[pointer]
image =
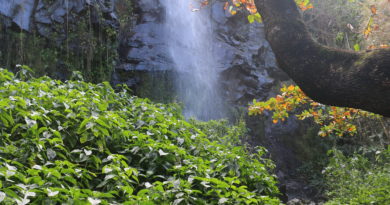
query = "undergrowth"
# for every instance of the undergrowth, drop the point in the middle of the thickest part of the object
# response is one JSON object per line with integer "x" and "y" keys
{"x": 81, "y": 143}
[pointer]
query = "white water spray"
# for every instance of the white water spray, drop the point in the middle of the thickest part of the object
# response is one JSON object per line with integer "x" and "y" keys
{"x": 189, "y": 35}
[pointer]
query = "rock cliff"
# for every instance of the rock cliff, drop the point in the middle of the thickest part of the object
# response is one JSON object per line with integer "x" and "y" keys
{"x": 247, "y": 64}
{"x": 59, "y": 36}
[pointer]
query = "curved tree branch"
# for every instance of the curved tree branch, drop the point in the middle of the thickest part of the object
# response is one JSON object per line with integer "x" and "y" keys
{"x": 327, "y": 75}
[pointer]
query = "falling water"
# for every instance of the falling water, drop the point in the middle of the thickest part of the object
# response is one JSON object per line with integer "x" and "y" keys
{"x": 189, "y": 35}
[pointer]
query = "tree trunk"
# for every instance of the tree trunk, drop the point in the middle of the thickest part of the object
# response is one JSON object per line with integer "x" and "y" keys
{"x": 327, "y": 75}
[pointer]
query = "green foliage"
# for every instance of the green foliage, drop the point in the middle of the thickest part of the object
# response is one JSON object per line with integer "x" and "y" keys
{"x": 81, "y": 143}
{"x": 335, "y": 23}
{"x": 348, "y": 180}
{"x": 124, "y": 9}
{"x": 82, "y": 44}
{"x": 334, "y": 121}
{"x": 359, "y": 179}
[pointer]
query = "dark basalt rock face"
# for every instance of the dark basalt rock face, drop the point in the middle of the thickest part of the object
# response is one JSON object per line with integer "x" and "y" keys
{"x": 101, "y": 13}
{"x": 144, "y": 60}
{"x": 58, "y": 36}
{"x": 18, "y": 11}
{"x": 245, "y": 59}
{"x": 146, "y": 50}
{"x": 27, "y": 14}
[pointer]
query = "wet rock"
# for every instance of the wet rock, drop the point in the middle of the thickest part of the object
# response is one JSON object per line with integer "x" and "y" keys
{"x": 45, "y": 14}
{"x": 60, "y": 36}
{"x": 237, "y": 47}
{"x": 48, "y": 16}
{"x": 143, "y": 53}
{"x": 246, "y": 58}
{"x": 19, "y": 11}
{"x": 146, "y": 49}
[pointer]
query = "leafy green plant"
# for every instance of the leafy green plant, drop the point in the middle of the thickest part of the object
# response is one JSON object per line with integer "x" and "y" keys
{"x": 83, "y": 44}
{"x": 81, "y": 143}
{"x": 358, "y": 179}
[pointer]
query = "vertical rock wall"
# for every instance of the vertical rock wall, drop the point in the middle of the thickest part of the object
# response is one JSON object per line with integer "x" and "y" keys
{"x": 56, "y": 37}
{"x": 247, "y": 64}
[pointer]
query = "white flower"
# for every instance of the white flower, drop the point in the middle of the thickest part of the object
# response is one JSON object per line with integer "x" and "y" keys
{"x": 148, "y": 185}
{"x": 2, "y": 196}
{"x": 22, "y": 202}
{"x": 29, "y": 193}
{"x": 87, "y": 152}
{"x": 162, "y": 153}
{"x": 94, "y": 201}
{"x": 52, "y": 193}
{"x": 222, "y": 200}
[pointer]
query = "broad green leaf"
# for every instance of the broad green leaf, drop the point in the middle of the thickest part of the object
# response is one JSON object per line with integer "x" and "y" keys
{"x": 83, "y": 139}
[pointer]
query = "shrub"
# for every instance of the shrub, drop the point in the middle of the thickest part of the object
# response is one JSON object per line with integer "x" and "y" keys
{"x": 359, "y": 179}
{"x": 81, "y": 143}
{"x": 348, "y": 178}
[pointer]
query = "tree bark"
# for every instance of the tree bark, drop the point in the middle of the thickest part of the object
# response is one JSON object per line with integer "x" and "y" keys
{"x": 327, "y": 75}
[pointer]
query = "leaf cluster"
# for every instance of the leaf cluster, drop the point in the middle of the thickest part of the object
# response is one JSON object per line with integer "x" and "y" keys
{"x": 359, "y": 179}
{"x": 82, "y": 143}
{"x": 333, "y": 121}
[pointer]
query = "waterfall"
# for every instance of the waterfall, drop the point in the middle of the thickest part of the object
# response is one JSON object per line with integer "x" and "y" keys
{"x": 189, "y": 35}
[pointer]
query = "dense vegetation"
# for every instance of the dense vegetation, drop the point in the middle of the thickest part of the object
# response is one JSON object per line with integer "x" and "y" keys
{"x": 81, "y": 143}
{"x": 85, "y": 40}
{"x": 359, "y": 178}
{"x": 357, "y": 168}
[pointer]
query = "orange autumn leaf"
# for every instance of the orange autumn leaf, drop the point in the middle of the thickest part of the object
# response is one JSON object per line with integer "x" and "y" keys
{"x": 279, "y": 98}
{"x": 373, "y": 9}
{"x": 291, "y": 88}
{"x": 347, "y": 113}
{"x": 304, "y": 8}
{"x": 334, "y": 121}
